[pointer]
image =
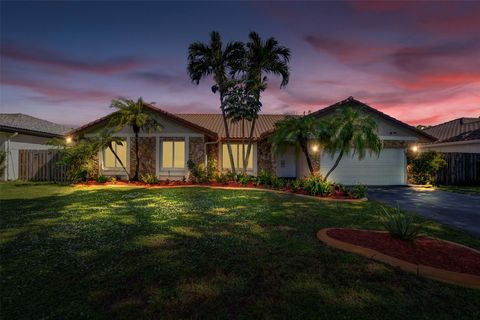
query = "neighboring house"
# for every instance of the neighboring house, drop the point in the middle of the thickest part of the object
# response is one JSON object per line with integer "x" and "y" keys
{"x": 199, "y": 137}
{"x": 20, "y": 131}
{"x": 459, "y": 135}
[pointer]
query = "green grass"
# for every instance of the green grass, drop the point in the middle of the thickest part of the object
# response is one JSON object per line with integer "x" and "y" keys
{"x": 119, "y": 253}
{"x": 461, "y": 189}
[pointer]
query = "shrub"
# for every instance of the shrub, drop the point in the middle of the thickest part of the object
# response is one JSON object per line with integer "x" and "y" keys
{"x": 399, "y": 224}
{"x": 264, "y": 178}
{"x": 149, "y": 178}
{"x": 222, "y": 178}
{"x": 79, "y": 159}
{"x": 114, "y": 179}
{"x": 211, "y": 169}
{"x": 278, "y": 183}
{"x": 102, "y": 179}
{"x": 296, "y": 185}
{"x": 198, "y": 172}
{"x": 423, "y": 166}
{"x": 359, "y": 191}
{"x": 244, "y": 179}
{"x": 315, "y": 185}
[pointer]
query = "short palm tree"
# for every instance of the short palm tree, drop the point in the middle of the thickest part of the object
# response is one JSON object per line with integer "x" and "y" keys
{"x": 215, "y": 59}
{"x": 297, "y": 131}
{"x": 263, "y": 58}
{"x": 351, "y": 130}
{"x": 105, "y": 140}
{"x": 134, "y": 114}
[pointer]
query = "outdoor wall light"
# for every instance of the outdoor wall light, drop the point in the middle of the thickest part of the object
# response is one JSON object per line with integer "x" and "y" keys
{"x": 315, "y": 148}
{"x": 68, "y": 139}
{"x": 414, "y": 148}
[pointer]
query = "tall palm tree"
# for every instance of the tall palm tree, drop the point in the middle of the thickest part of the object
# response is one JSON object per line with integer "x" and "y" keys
{"x": 263, "y": 58}
{"x": 219, "y": 61}
{"x": 297, "y": 131}
{"x": 133, "y": 113}
{"x": 105, "y": 140}
{"x": 351, "y": 129}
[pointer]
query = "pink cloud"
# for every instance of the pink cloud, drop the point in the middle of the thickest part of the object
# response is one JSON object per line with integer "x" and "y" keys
{"x": 61, "y": 62}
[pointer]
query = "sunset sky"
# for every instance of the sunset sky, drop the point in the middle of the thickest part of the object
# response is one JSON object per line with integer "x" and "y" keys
{"x": 418, "y": 62}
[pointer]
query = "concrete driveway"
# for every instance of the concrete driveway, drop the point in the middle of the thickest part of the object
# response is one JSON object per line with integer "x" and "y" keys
{"x": 461, "y": 211}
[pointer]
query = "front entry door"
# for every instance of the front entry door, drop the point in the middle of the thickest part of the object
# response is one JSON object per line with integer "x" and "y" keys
{"x": 286, "y": 164}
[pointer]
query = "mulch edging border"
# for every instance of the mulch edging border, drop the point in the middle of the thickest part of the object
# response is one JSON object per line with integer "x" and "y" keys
{"x": 451, "y": 277}
{"x": 224, "y": 188}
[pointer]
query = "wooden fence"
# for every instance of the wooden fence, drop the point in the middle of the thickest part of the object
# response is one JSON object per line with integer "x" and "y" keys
{"x": 461, "y": 168}
{"x": 40, "y": 165}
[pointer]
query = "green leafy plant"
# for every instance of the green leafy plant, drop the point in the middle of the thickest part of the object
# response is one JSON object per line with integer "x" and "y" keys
{"x": 296, "y": 185}
{"x": 422, "y": 167}
{"x": 198, "y": 172}
{"x": 278, "y": 183}
{"x": 102, "y": 179}
{"x": 113, "y": 179}
{"x": 399, "y": 224}
{"x": 264, "y": 178}
{"x": 221, "y": 178}
{"x": 359, "y": 191}
{"x": 212, "y": 169}
{"x": 316, "y": 185}
{"x": 149, "y": 178}
{"x": 244, "y": 179}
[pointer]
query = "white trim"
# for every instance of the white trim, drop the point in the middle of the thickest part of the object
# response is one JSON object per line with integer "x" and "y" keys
{"x": 253, "y": 171}
{"x": 172, "y": 172}
{"x": 452, "y": 143}
{"x": 149, "y": 135}
{"x": 408, "y": 138}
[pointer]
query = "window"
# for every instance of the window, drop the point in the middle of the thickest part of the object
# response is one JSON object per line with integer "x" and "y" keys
{"x": 173, "y": 154}
{"x": 238, "y": 150}
{"x": 109, "y": 159}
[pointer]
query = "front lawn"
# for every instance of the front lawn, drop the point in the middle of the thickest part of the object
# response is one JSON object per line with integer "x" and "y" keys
{"x": 136, "y": 253}
{"x": 461, "y": 189}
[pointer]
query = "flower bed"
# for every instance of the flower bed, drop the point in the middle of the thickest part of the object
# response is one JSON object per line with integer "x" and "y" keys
{"x": 433, "y": 258}
{"x": 230, "y": 184}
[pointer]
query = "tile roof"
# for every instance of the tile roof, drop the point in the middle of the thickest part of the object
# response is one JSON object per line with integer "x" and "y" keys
{"x": 214, "y": 122}
{"x": 13, "y": 122}
{"x": 454, "y": 128}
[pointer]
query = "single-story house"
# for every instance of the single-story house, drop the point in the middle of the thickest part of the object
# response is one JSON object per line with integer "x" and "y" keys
{"x": 20, "y": 131}
{"x": 459, "y": 135}
{"x": 201, "y": 137}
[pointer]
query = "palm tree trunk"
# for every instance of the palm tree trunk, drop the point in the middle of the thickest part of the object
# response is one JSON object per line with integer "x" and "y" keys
{"x": 250, "y": 142}
{"x": 118, "y": 159}
{"x": 137, "y": 155}
{"x": 227, "y": 135}
{"x": 340, "y": 155}
{"x": 304, "y": 147}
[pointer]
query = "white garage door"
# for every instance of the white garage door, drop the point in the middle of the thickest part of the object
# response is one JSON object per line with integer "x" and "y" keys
{"x": 386, "y": 169}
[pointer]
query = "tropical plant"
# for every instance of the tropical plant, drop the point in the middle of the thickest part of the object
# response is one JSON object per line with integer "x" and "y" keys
{"x": 149, "y": 178}
{"x": 399, "y": 224}
{"x": 297, "y": 184}
{"x": 350, "y": 129}
{"x": 316, "y": 185}
{"x": 359, "y": 191}
{"x": 198, "y": 172}
{"x": 105, "y": 140}
{"x": 424, "y": 166}
{"x": 102, "y": 179}
{"x": 264, "y": 178}
{"x": 220, "y": 62}
{"x": 262, "y": 58}
{"x": 134, "y": 114}
{"x": 79, "y": 158}
{"x": 222, "y": 178}
{"x": 297, "y": 131}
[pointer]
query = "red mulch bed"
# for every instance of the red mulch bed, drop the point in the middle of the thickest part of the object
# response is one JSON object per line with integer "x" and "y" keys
{"x": 426, "y": 251}
{"x": 231, "y": 184}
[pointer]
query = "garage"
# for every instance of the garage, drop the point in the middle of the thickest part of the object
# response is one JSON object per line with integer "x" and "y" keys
{"x": 388, "y": 168}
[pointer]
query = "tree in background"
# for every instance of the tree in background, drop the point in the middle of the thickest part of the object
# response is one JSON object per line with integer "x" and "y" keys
{"x": 221, "y": 62}
{"x": 350, "y": 130}
{"x": 135, "y": 115}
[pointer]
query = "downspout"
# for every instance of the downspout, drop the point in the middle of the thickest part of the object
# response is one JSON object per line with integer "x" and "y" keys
{"x": 8, "y": 155}
{"x": 205, "y": 150}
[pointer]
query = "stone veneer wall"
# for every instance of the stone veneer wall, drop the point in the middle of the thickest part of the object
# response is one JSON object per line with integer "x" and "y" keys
{"x": 147, "y": 152}
{"x": 212, "y": 153}
{"x": 265, "y": 158}
{"x": 196, "y": 151}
